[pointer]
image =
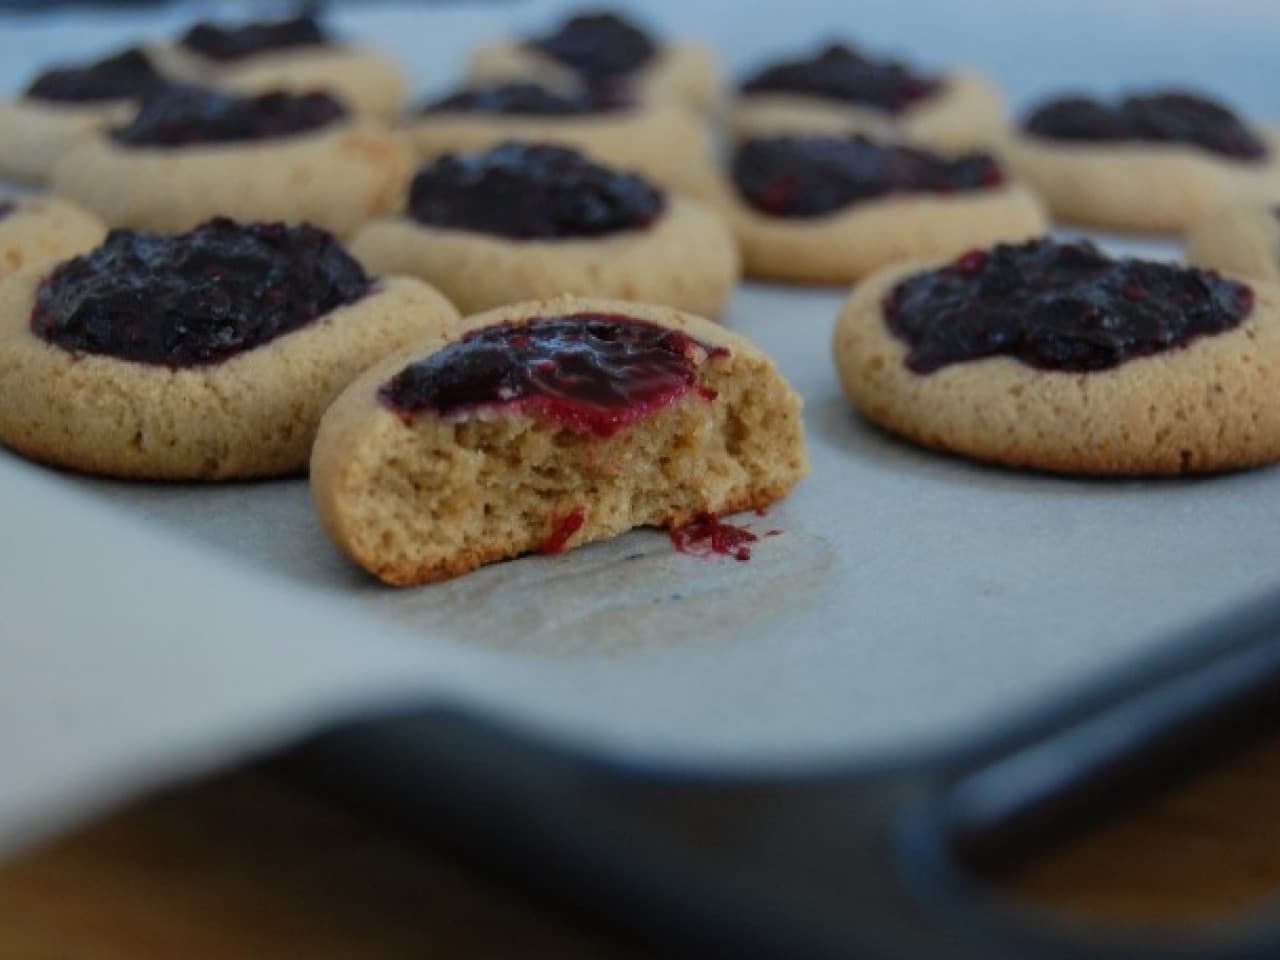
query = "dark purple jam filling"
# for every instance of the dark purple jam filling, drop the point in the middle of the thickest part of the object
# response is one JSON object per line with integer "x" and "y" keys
{"x": 810, "y": 176}
{"x": 129, "y": 75}
{"x": 234, "y": 43}
{"x": 529, "y": 99}
{"x": 1173, "y": 117}
{"x": 598, "y": 46}
{"x": 7, "y": 207}
{"x": 841, "y": 73}
{"x": 531, "y": 192}
{"x": 1058, "y": 306}
{"x": 182, "y": 116}
{"x": 195, "y": 298}
{"x": 593, "y": 373}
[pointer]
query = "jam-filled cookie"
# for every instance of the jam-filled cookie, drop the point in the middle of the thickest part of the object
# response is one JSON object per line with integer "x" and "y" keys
{"x": 1155, "y": 162}
{"x": 840, "y": 91}
{"x": 42, "y": 229}
{"x": 833, "y": 209}
{"x": 524, "y": 222}
{"x": 663, "y": 141}
{"x": 601, "y": 49}
{"x": 1240, "y": 240}
{"x": 65, "y": 104}
{"x": 548, "y": 425}
{"x": 1058, "y": 357}
{"x": 298, "y": 55}
{"x": 206, "y": 355}
{"x": 192, "y": 153}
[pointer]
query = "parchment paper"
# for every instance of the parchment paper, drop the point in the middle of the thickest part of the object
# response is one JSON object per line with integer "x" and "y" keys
{"x": 149, "y": 630}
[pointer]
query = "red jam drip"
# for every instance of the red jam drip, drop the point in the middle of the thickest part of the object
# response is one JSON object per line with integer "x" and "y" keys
{"x": 195, "y": 298}
{"x": 565, "y": 528}
{"x": 810, "y": 176}
{"x": 531, "y": 100}
{"x": 708, "y": 536}
{"x": 1167, "y": 117}
{"x": 592, "y": 373}
{"x": 184, "y": 116}
{"x": 235, "y": 43}
{"x": 842, "y": 73}
{"x": 1058, "y": 306}
{"x": 129, "y": 75}
{"x": 529, "y": 191}
{"x": 598, "y": 45}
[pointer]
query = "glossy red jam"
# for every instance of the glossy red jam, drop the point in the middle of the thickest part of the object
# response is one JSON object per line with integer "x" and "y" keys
{"x": 709, "y": 536}
{"x": 593, "y": 373}
{"x": 598, "y": 45}
{"x": 1058, "y": 306}
{"x": 129, "y": 75}
{"x": 842, "y": 73}
{"x": 185, "y": 116}
{"x": 810, "y": 176}
{"x": 1173, "y": 117}
{"x": 530, "y": 192}
{"x": 195, "y": 298}
{"x": 217, "y": 42}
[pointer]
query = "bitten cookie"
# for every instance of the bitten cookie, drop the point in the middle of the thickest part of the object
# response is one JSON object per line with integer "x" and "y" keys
{"x": 594, "y": 49}
{"x": 1056, "y": 357}
{"x": 191, "y": 154}
{"x": 1239, "y": 240}
{"x": 663, "y": 141}
{"x": 1156, "y": 162}
{"x": 524, "y": 222}
{"x": 66, "y": 104}
{"x": 44, "y": 229}
{"x": 548, "y": 425}
{"x": 839, "y": 92}
{"x": 297, "y": 55}
{"x": 831, "y": 210}
{"x": 208, "y": 355}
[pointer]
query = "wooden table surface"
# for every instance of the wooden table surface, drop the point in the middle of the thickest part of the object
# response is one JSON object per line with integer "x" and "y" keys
{"x": 242, "y": 866}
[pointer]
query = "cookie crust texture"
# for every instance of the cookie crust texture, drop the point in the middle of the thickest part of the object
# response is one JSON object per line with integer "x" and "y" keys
{"x": 847, "y": 244}
{"x": 1241, "y": 240}
{"x": 1139, "y": 187}
{"x": 686, "y": 259}
{"x": 35, "y": 134}
{"x": 441, "y": 495}
{"x": 252, "y": 415}
{"x": 1205, "y": 407}
{"x": 967, "y": 113}
{"x": 335, "y": 178}
{"x": 45, "y": 229}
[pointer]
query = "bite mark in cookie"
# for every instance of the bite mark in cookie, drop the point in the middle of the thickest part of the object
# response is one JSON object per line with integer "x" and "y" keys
{"x": 548, "y": 425}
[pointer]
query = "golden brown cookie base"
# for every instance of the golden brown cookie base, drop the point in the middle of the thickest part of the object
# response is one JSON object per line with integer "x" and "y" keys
{"x": 34, "y": 134}
{"x": 1206, "y": 407}
{"x": 336, "y": 179}
{"x": 45, "y": 230}
{"x": 967, "y": 113}
{"x": 252, "y": 415}
{"x": 844, "y": 246}
{"x": 687, "y": 259}
{"x": 1240, "y": 240}
{"x": 1143, "y": 188}
{"x": 443, "y": 495}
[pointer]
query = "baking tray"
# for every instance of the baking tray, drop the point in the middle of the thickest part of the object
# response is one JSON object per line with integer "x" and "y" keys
{"x": 911, "y": 602}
